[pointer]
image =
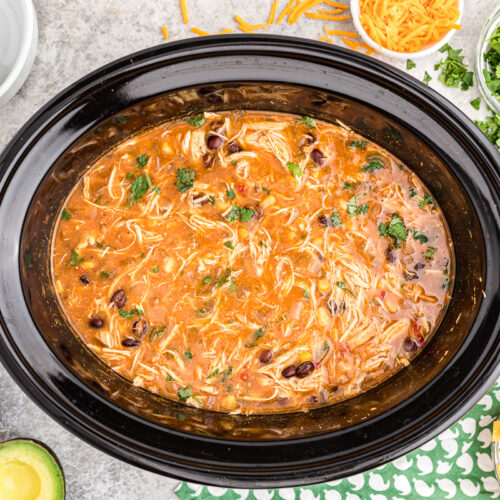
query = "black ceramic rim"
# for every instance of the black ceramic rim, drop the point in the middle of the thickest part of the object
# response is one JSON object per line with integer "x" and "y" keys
{"x": 319, "y": 465}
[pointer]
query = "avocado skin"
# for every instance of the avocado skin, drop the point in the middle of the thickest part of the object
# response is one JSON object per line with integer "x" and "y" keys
{"x": 45, "y": 456}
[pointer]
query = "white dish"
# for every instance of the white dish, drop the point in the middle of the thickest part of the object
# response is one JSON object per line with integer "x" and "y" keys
{"x": 18, "y": 42}
{"x": 401, "y": 55}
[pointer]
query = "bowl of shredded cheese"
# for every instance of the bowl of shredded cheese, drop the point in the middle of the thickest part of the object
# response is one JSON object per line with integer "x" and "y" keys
{"x": 407, "y": 28}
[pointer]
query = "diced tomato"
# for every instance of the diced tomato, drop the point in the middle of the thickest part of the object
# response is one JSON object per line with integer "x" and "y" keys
{"x": 382, "y": 295}
{"x": 420, "y": 340}
{"x": 241, "y": 189}
{"x": 244, "y": 375}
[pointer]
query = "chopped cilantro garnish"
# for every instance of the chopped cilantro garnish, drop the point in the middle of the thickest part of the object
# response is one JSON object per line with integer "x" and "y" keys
{"x": 75, "y": 259}
{"x": 234, "y": 214}
{"x": 336, "y": 220}
{"x": 305, "y": 294}
{"x": 129, "y": 176}
{"x": 185, "y": 394}
{"x": 206, "y": 280}
{"x": 142, "y": 160}
{"x": 224, "y": 278}
{"x": 138, "y": 188}
{"x": 65, "y": 215}
{"x": 395, "y": 229}
{"x": 342, "y": 285}
{"x": 156, "y": 189}
{"x": 453, "y": 70}
{"x": 410, "y": 64}
{"x": 294, "y": 169}
{"x": 426, "y": 201}
{"x": 429, "y": 253}
{"x": 347, "y": 185}
{"x": 155, "y": 269}
{"x": 412, "y": 192}
{"x": 232, "y": 286}
{"x": 130, "y": 314}
{"x": 196, "y": 121}
{"x": 188, "y": 354}
{"x": 185, "y": 179}
{"x": 155, "y": 331}
{"x": 233, "y": 163}
{"x": 372, "y": 165}
{"x": 226, "y": 374}
{"x": 168, "y": 378}
{"x": 104, "y": 274}
{"x": 256, "y": 336}
{"x": 353, "y": 209}
{"x": 214, "y": 373}
{"x": 98, "y": 200}
{"x": 229, "y": 245}
{"x": 357, "y": 144}
{"x": 231, "y": 194}
{"x": 326, "y": 346}
{"x": 476, "y": 103}
{"x": 427, "y": 78}
{"x": 266, "y": 190}
{"x": 246, "y": 214}
{"x": 211, "y": 199}
{"x": 491, "y": 128}
{"x": 310, "y": 122}
{"x": 420, "y": 237}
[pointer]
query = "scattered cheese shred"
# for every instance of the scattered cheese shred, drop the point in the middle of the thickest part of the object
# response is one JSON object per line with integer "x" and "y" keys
{"x": 289, "y": 6}
{"x": 165, "y": 32}
{"x": 224, "y": 31}
{"x": 408, "y": 25}
{"x": 496, "y": 431}
{"x": 350, "y": 43}
{"x": 274, "y": 6}
{"x": 334, "y": 11}
{"x": 301, "y": 8}
{"x": 335, "y": 4}
{"x": 314, "y": 15}
{"x": 185, "y": 17}
{"x": 200, "y": 32}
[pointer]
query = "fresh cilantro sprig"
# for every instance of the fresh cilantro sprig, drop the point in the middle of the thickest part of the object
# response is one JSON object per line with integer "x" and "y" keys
{"x": 185, "y": 179}
{"x": 454, "y": 72}
{"x": 395, "y": 228}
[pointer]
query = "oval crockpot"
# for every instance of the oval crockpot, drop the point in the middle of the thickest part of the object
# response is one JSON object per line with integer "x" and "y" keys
{"x": 428, "y": 133}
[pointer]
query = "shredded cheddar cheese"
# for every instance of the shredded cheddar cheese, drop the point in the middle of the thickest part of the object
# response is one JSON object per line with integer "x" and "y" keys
{"x": 496, "y": 431}
{"x": 165, "y": 32}
{"x": 199, "y": 32}
{"x": 408, "y": 25}
{"x": 314, "y": 15}
{"x": 184, "y": 11}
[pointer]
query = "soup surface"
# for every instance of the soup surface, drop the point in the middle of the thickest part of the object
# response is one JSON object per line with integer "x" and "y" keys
{"x": 252, "y": 262}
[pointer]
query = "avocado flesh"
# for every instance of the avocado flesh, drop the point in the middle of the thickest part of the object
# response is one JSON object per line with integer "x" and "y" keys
{"x": 28, "y": 471}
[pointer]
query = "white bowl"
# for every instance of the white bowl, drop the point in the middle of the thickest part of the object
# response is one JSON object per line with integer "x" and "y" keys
{"x": 401, "y": 55}
{"x": 18, "y": 41}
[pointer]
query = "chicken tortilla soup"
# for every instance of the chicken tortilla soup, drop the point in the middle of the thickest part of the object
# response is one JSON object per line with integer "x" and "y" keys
{"x": 250, "y": 262}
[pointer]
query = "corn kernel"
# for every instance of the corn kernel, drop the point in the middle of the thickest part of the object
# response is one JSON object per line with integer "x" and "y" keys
{"x": 243, "y": 233}
{"x": 496, "y": 431}
{"x": 318, "y": 242}
{"x": 391, "y": 306}
{"x": 229, "y": 402}
{"x": 166, "y": 148}
{"x": 315, "y": 174}
{"x": 305, "y": 356}
{"x": 323, "y": 285}
{"x": 268, "y": 201}
{"x": 87, "y": 265}
{"x": 323, "y": 317}
{"x": 291, "y": 235}
{"x": 168, "y": 265}
{"x": 302, "y": 284}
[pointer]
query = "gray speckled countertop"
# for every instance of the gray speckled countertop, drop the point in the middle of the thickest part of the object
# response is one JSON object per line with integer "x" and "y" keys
{"x": 76, "y": 37}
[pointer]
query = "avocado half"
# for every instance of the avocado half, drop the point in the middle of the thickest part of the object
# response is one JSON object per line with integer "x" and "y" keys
{"x": 29, "y": 471}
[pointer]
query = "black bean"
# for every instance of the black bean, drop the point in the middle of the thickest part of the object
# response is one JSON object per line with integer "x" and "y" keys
{"x": 131, "y": 342}
{"x": 218, "y": 126}
{"x": 266, "y": 356}
{"x": 233, "y": 147}
{"x": 118, "y": 298}
{"x": 410, "y": 275}
{"x": 390, "y": 255}
{"x": 419, "y": 266}
{"x": 96, "y": 322}
{"x": 334, "y": 388}
{"x": 409, "y": 345}
{"x": 214, "y": 98}
{"x": 288, "y": 372}
{"x": 317, "y": 157}
{"x": 309, "y": 139}
{"x": 84, "y": 278}
{"x": 314, "y": 400}
{"x": 214, "y": 142}
{"x": 304, "y": 369}
{"x": 282, "y": 401}
{"x": 140, "y": 327}
{"x": 325, "y": 221}
{"x": 208, "y": 160}
{"x": 342, "y": 306}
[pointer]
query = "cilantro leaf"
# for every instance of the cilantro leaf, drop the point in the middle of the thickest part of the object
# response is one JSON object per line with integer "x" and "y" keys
{"x": 75, "y": 259}
{"x": 142, "y": 160}
{"x": 412, "y": 192}
{"x": 395, "y": 228}
{"x": 65, "y": 215}
{"x": 226, "y": 374}
{"x": 336, "y": 220}
{"x": 453, "y": 70}
{"x": 155, "y": 332}
{"x": 185, "y": 393}
{"x": 229, "y": 245}
{"x": 294, "y": 169}
{"x": 256, "y": 336}
{"x": 234, "y": 214}
{"x": 372, "y": 165}
{"x": 224, "y": 278}
{"x": 196, "y": 121}
{"x": 310, "y": 122}
{"x": 357, "y": 144}
{"x": 185, "y": 179}
{"x": 420, "y": 236}
{"x": 410, "y": 64}
{"x": 342, "y": 285}
{"x": 353, "y": 209}
{"x": 214, "y": 373}
{"x": 426, "y": 201}
{"x": 156, "y": 189}
{"x": 429, "y": 253}
{"x": 231, "y": 194}
{"x": 138, "y": 188}
{"x": 476, "y": 103}
{"x": 246, "y": 214}
{"x": 188, "y": 354}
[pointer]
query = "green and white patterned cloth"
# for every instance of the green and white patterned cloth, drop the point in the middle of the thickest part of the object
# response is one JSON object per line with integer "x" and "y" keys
{"x": 455, "y": 465}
